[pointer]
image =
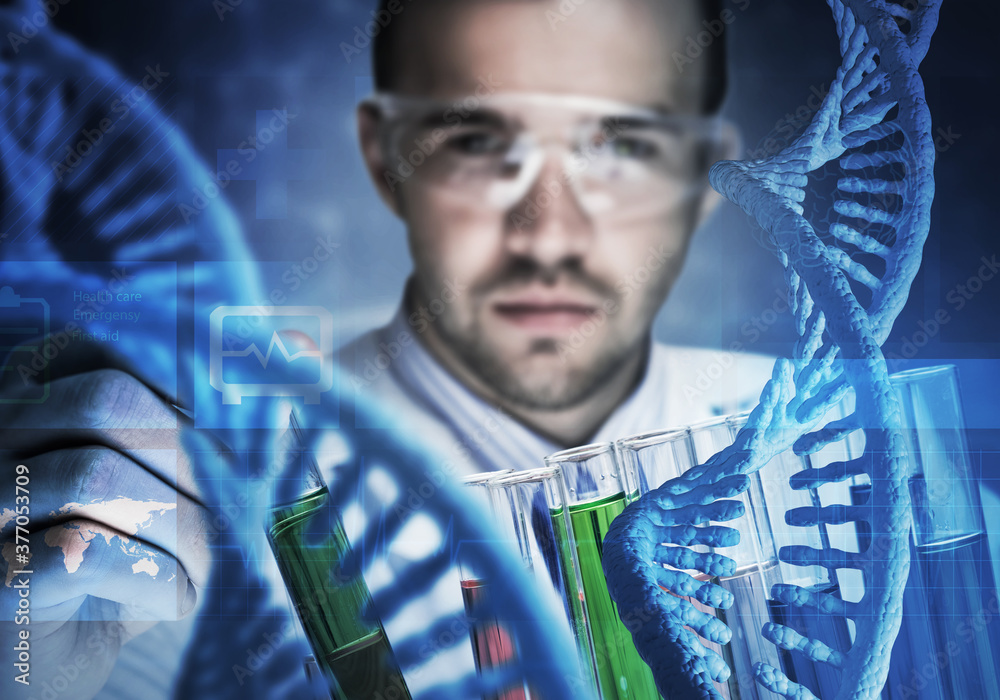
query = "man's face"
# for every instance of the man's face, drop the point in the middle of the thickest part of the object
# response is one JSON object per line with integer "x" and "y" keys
{"x": 540, "y": 299}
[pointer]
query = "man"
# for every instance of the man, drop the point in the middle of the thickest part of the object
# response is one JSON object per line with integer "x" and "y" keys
{"x": 537, "y": 276}
{"x": 547, "y": 224}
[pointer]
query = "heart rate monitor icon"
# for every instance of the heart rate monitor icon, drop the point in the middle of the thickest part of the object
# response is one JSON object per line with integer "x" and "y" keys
{"x": 277, "y": 351}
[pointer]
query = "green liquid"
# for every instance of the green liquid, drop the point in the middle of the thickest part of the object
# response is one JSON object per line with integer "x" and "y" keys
{"x": 353, "y": 652}
{"x": 621, "y": 671}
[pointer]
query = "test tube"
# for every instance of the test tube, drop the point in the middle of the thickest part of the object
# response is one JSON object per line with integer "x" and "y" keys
{"x": 355, "y": 654}
{"x": 756, "y": 567}
{"x": 593, "y": 494}
{"x": 820, "y": 678}
{"x": 492, "y": 643}
{"x": 846, "y": 536}
{"x": 522, "y": 510}
{"x": 949, "y": 642}
{"x": 648, "y": 461}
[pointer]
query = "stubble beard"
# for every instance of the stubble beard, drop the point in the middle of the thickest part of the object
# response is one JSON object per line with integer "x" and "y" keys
{"x": 551, "y": 375}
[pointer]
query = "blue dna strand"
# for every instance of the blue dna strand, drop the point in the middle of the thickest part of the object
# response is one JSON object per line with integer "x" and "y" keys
{"x": 849, "y": 262}
{"x": 119, "y": 205}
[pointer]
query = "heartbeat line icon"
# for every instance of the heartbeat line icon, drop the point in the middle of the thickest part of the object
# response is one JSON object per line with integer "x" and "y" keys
{"x": 265, "y": 358}
{"x": 241, "y": 380}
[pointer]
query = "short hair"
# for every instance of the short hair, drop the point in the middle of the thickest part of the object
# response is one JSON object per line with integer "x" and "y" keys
{"x": 385, "y": 56}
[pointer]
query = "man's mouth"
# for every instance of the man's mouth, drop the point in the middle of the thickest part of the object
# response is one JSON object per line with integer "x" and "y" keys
{"x": 545, "y": 316}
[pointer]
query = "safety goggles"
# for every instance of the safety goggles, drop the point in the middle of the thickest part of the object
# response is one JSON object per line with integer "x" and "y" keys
{"x": 619, "y": 160}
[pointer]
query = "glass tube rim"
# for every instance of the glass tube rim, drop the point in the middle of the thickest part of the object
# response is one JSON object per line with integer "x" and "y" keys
{"x": 910, "y": 375}
{"x": 526, "y": 476}
{"x": 642, "y": 440}
{"x": 710, "y": 422}
{"x": 739, "y": 419}
{"x": 581, "y": 453}
{"x": 480, "y": 478}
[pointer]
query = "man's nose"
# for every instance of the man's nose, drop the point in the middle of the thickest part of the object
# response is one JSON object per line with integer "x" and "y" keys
{"x": 549, "y": 225}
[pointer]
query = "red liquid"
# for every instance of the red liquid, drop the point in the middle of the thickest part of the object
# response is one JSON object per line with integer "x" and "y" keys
{"x": 491, "y": 643}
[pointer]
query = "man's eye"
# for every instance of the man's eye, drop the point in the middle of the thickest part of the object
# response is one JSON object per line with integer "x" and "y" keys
{"x": 478, "y": 144}
{"x": 633, "y": 148}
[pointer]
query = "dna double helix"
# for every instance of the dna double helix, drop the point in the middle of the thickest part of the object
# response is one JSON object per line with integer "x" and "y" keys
{"x": 848, "y": 275}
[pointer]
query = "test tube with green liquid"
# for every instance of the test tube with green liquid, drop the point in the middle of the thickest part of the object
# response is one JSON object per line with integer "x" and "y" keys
{"x": 354, "y": 653}
{"x": 593, "y": 495}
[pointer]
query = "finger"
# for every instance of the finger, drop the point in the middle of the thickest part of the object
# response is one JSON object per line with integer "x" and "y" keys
{"x": 695, "y": 476}
{"x": 778, "y": 683}
{"x": 816, "y": 407}
{"x": 825, "y": 603}
{"x": 830, "y": 557}
{"x": 105, "y": 486}
{"x": 82, "y": 558}
{"x": 109, "y": 408}
{"x": 68, "y": 358}
{"x": 719, "y": 512}
{"x": 103, "y": 399}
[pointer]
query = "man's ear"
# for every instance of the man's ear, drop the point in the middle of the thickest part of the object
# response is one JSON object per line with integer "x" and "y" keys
{"x": 373, "y": 152}
{"x": 730, "y": 147}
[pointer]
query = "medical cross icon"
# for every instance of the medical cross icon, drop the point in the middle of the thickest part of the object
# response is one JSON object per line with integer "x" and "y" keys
{"x": 269, "y": 162}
